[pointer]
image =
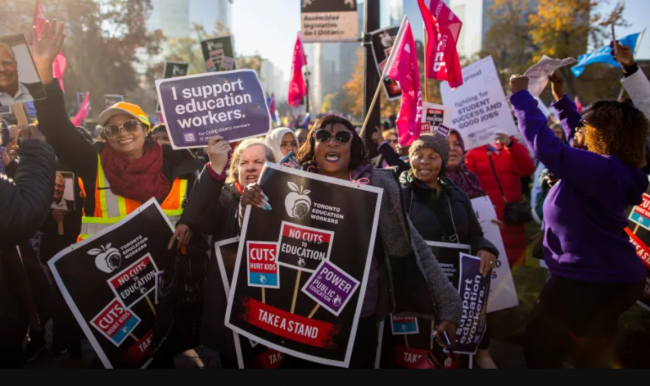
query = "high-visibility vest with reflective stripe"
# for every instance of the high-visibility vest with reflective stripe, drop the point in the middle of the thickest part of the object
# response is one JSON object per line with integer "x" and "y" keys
{"x": 110, "y": 208}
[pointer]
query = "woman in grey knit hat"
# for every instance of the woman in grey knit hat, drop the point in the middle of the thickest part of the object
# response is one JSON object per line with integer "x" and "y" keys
{"x": 441, "y": 211}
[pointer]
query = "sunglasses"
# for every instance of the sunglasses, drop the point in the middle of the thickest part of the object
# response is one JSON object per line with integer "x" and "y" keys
{"x": 325, "y": 136}
{"x": 113, "y": 131}
{"x": 392, "y": 141}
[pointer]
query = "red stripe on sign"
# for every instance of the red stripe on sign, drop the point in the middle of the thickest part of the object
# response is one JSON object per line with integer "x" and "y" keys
{"x": 407, "y": 357}
{"x": 295, "y": 327}
{"x": 642, "y": 250}
{"x": 139, "y": 350}
{"x": 270, "y": 359}
{"x": 305, "y": 234}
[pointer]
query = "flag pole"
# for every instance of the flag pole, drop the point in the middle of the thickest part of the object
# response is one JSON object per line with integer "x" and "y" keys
{"x": 372, "y": 104}
{"x": 389, "y": 64}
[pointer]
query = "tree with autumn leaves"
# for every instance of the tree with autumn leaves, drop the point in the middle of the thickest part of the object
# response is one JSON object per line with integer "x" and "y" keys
{"x": 520, "y": 34}
{"x": 352, "y": 100}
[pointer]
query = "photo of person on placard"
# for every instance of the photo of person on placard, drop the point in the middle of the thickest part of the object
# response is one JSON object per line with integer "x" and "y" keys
{"x": 19, "y": 80}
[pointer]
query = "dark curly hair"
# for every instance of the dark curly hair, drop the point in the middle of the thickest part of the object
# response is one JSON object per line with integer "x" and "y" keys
{"x": 618, "y": 129}
{"x": 358, "y": 154}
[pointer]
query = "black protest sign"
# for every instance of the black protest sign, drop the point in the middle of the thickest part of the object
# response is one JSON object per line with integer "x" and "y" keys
{"x": 312, "y": 315}
{"x": 407, "y": 337}
{"x": 173, "y": 70}
{"x": 250, "y": 354}
{"x": 382, "y": 45}
{"x": 108, "y": 282}
{"x": 473, "y": 289}
{"x": 639, "y": 233}
{"x": 219, "y": 54}
{"x": 111, "y": 99}
{"x": 448, "y": 256}
{"x": 329, "y": 21}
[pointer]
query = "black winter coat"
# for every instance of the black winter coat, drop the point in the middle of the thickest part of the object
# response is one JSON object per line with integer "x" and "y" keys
{"x": 24, "y": 204}
{"x": 213, "y": 211}
{"x": 438, "y": 217}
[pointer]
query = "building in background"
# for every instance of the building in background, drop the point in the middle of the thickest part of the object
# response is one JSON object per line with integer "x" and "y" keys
{"x": 475, "y": 15}
{"x": 177, "y": 17}
{"x": 272, "y": 80}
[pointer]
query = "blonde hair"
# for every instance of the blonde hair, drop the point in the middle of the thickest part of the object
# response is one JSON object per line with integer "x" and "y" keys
{"x": 233, "y": 175}
{"x": 388, "y": 133}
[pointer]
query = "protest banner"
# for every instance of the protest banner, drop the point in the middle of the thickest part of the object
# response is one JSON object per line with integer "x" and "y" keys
{"x": 538, "y": 74}
{"x": 473, "y": 289}
{"x": 639, "y": 234}
{"x": 502, "y": 287}
{"x": 250, "y": 354}
{"x": 64, "y": 188}
{"x": 231, "y": 104}
{"x": 481, "y": 110}
{"x": 107, "y": 281}
{"x": 21, "y": 83}
{"x": 407, "y": 338}
{"x": 219, "y": 54}
{"x": 329, "y": 21}
{"x": 324, "y": 229}
{"x": 434, "y": 115}
{"x": 173, "y": 70}
{"x": 111, "y": 99}
{"x": 382, "y": 45}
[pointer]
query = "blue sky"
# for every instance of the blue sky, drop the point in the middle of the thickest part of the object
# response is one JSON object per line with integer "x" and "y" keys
{"x": 269, "y": 27}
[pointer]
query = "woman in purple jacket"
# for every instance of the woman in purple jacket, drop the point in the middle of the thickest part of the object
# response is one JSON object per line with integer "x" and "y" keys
{"x": 595, "y": 272}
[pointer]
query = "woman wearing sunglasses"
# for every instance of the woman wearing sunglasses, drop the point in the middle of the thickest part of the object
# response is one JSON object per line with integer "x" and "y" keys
{"x": 126, "y": 167}
{"x": 595, "y": 272}
{"x": 334, "y": 149}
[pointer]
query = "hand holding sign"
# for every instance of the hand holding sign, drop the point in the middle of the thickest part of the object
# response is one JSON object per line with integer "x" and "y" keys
{"x": 218, "y": 150}
{"x": 253, "y": 195}
{"x": 45, "y": 49}
{"x": 557, "y": 85}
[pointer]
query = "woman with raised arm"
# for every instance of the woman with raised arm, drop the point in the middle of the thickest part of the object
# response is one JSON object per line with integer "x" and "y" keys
{"x": 595, "y": 272}
{"x": 126, "y": 167}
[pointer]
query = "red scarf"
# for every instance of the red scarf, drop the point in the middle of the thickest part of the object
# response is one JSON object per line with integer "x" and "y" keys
{"x": 138, "y": 179}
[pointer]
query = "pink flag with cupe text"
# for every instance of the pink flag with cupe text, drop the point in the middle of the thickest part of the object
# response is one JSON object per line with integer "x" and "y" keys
{"x": 60, "y": 61}
{"x": 83, "y": 112}
{"x": 402, "y": 67}
{"x": 297, "y": 85}
{"x": 443, "y": 29}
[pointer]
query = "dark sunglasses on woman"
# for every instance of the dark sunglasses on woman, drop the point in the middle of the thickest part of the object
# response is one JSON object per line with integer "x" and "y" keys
{"x": 325, "y": 136}
{"x": 113, "y": 131}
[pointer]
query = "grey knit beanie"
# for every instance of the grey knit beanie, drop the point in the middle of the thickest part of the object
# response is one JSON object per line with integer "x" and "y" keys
{"x": 437, "y": 143}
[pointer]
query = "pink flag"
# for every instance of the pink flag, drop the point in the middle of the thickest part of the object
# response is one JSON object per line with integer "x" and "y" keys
{"x": 578, "y": 104}
{"x": 443, "y": 28}
{"x": 402, "y": 67}
{"x": 82, "y": 114}
{"x": 60, "y": 62}
{"x": 297, "y": 85}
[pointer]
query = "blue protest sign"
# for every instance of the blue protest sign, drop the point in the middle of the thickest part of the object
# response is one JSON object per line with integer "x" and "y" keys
{"x": 231, "y": 104}
{"x": 604, "y": 55}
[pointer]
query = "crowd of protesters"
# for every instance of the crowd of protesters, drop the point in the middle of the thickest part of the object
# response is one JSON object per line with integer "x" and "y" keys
{"x": 589, "y": 171}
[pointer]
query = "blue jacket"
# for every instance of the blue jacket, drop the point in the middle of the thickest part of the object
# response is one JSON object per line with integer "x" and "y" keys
{"x": 584, "y": 213}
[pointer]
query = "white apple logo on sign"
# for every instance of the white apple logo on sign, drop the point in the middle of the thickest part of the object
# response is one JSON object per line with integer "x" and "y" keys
{"x": 297, "y": 202}
{"x": 108, "y": 259}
